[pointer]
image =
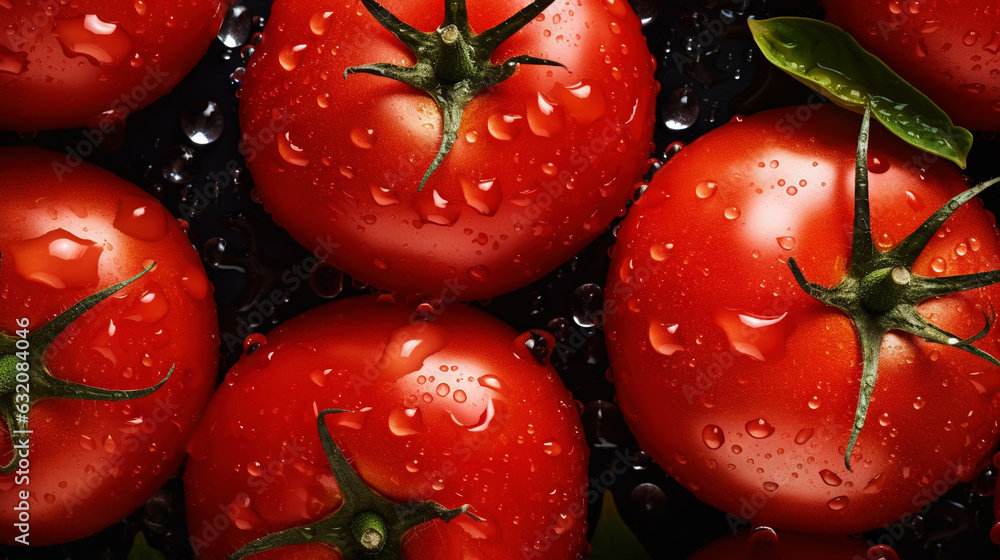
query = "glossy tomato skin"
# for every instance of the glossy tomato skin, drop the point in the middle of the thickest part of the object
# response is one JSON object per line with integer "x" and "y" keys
{"x": 447, "y": 411}
{"x": 544, "y": 160}
{"x": 948, "y": 49}
{"x": 92, "y": 463}
{"x": 742, "y": 386}
{"x": 107, "y": 57}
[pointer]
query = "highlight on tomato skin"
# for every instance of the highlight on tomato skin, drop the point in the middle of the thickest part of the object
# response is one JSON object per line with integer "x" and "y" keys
{"x": 757, "y": 380}
{"x": 93, "y": 62}
{"x": 120, "y": 388}
{"x": 542, "y": 163}
{"x": 949, "y": 49}
{"x": 441, "y": 403}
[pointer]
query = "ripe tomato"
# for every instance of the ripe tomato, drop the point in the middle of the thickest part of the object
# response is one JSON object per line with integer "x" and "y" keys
{"x": 765, "y": 544}
{"x": 744, "y": 387}
{"x": 542, "y": 163}
{"x": 948, "y": 49}
{"x": 451, "y": 408}
{"x": 110, "y": 57}
{"x": 96, "y": 452}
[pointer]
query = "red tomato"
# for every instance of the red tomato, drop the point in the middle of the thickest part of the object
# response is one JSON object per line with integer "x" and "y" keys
{"x": 65, "y": 64}
{"x": 454, "y": 410}
{"x": 543, "y": 161}
{"x": 91, "y": 462}
{"x": 765, "y": 544}
{"x": 744, "y": 387}
{"x": 948, "y": 49}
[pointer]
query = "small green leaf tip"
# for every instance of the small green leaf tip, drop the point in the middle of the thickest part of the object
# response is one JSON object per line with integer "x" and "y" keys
{"x": 827, "y": 59}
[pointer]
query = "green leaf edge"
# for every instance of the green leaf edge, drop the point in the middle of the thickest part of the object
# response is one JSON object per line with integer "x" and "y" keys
{"x": 613, "y": 540}
{"x": 958, "y": 139}
{"x": 141, "y": 550}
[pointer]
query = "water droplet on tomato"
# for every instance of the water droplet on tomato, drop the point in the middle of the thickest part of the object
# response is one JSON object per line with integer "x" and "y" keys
{"x": 759, "y": 428}
{"x": 583, "y": 101}
{"x": 290, "y": 56}
{"x": 732, "y": 213}
{"x": 786, "y": 243}
{"x": 406, "y": 421}
{"x": 804, "y": 435}
{"x": 141, "y": 217}
{"x": 552, "y": 448}
{"x": 383, "y": 196}
{"x": 914, "y": 201}
{"x": 976, "y": 88}
{"x": 736, "y": 449}
{"x": 617, "y": 8}
{"x": 253, "y": 342}
{"x": 705, "y": 189}
{"x": 435, "y": 209}
{"x": 483, "y": 195}
{"x": 660, "y": 252}
{"x": 87, "y": 443}
{"x": 58, "y": 259}
{"x": 318, "y": 22}
{"x": 479, "y": 273}
{"x": 535, "y": 345}
{"x": 762, "y": 338}
{"x": 770, "y": 486}
{"x": 838, "y": 503}
{"x": 505, "y": 126}
{"x": 108, "y": 443}
{"x": 713, "y": 436}
{"x": 664, "y": 338}
{"x": 151, "y": 307}
{"x": 459, "y": 396}
{"x": 546, "y": 118}
{"x": 830, "y": 478}
{"x": 409, "y": 346}
{"x": 970, "y": 38}
{"x": 353, "y": 420}
{"x": 874, "y": 485}
{"x": 202, "y": 121}
{"x": 483, "y": 528}
{"x": 919, "y": 403}
{"x": 99, "y": 41}
{"x": 363, "y": 137}
{"x": 290, "y": 152}
{"x": 12, "y": 62}
{"x": 878, "y": 165}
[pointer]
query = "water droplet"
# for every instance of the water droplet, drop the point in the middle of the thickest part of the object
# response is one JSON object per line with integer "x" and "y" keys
{"x": 459, "y": 396}
{"x": 804, "y": 435}
{"x": 583, "y": 101}
{"x": 552, "y": 448}
{"x": 830, "y": 478}
{"x": 762, "y": 338}
{"x": 786, "y": 243}
{"x": 736, "y": 449}
{"x": 970, "y": 38}
{"x": 878, "y": 165}
{"x": 919, "y": 403}
{"x": 383, "y": 196}
{"x": 545, "y": 117}
{"x": 875, "y": 485}
{"x": 202, "y": 121}
{"x": 732, "y": 213}
{"x": 363, "y": 137}
{"x": 838, "y": 503}
{"x": 326, "y": 280}
{"x": 759, "y": 428}
{"x": 661, "y": 251}
{"x": 435, "y": 209}
{"x": 318, "y": 22}
{"x": 770, "y": 486}
{"x": 705, "y": 189}
{"x": 141, "y": 217}
{"x": 290, "y": 56}
{"x": 713, "y": 436}
{"x": 290, "y": 152}
{"x": 409, "y": 346}
{"x": 617, "y": 8}
{"x": 976, "y": 88}
{"x": 236, "y": 27}
{"x": 180, "y": 164}
{"x": 12, "y": 62}
{"x": 108, "y": 443}
{"x": 914, "y": 201}
{"x": 87, "y": 443}
{"x": 151, "y": 307}
{"x": 505, "y": 126}
{"x": 587, "y": 301}
{"x": 58, "y": 259}
{"x": 681, "y": 109}
{"x": 884, "y": 419}
{"x": 939, "y": 265}
{"x": 483, "y": 195}
{"x": 814, "y": 402}
{"x": 534, "y": 345}
{"x": 479, "y": 273}
{"x": 99, "y": 41}
{"x": 405, "y": 421}
{"x": 50, "y": 498}
{"x": 253, "y": 342}
{"x": 664, "y": 338}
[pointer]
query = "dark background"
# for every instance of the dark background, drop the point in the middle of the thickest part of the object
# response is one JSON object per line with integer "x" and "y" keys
{"x": 709, "y": 71}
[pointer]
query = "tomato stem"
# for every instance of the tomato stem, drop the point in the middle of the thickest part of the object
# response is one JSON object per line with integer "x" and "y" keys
{"x": 366, "y": 525}
{"x": 880, "y": 292}
{"x": 38, "y": 382}
{"x": 453, "y": 63}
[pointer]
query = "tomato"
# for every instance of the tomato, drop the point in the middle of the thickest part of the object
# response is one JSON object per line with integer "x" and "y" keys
{"x": 542, "y": 162}
{"x": 765, "y": 544}
{"x": 92, "y": 62}
{"x": 743, "y": 386}
{"x": 74, "y": 343}
{"x": 444, "y": 403}
{"x": 948, "y": 49}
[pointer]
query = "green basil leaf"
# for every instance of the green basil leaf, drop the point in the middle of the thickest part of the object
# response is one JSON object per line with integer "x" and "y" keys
{"x": 142, "y": 551}
{"x": 826, "y": 58}
{"x": 613, "y": 539}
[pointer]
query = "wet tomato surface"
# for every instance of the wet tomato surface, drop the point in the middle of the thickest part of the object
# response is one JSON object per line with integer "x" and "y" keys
{"x": 96, "y": 452}
{"x": 452, "y": 408}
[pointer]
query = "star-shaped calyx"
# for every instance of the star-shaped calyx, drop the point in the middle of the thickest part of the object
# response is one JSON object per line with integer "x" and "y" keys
{"x": 453, "y": 62}
{"x": 366, "y": 525}
{"x": 25, "y": 378}
{"x": 880, "y": 292}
